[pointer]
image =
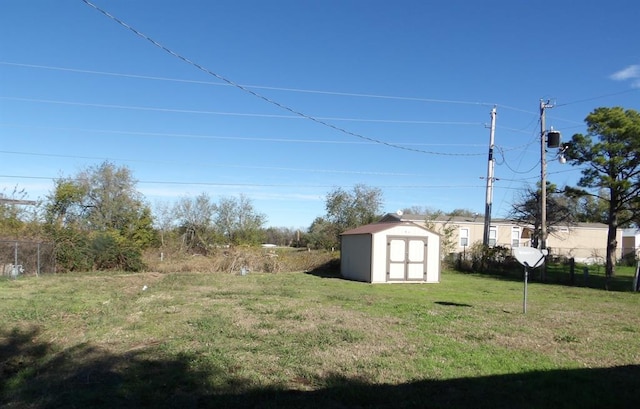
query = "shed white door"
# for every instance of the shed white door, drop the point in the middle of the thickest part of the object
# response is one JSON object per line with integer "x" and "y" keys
{"x": 406, "y": 258}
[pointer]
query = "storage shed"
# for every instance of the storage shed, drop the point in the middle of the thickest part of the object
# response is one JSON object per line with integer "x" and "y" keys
{"x": 390, "y": 253}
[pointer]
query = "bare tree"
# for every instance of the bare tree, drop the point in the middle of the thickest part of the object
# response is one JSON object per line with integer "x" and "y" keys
{"x": 195, "y": 219}
{"x": 349, "y": 209}
{"x": 526, "y": 210}
{"x": 238, "y": 221}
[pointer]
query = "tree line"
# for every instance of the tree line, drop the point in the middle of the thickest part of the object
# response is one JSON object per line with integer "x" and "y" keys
{"x": 98, "y": 220}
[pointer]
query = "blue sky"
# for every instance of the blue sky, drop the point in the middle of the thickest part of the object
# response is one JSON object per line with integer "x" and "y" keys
{"x": 318, "y": 95}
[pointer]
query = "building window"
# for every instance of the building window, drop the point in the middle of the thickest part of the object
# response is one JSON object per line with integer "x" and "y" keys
{"x": 515, "y": 237}
{"x": 464, "y": 237}
{"x": 493, "y": 236}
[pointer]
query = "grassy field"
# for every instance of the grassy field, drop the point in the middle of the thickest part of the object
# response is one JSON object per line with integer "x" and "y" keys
{"x": 302, "y": 340}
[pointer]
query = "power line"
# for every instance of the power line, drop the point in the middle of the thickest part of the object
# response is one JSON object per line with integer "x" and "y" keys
{"x": 226, "y": 166}
{"x": 598, "y": 97}
{"x": 220, "y": 137}
{"x": 537, "y": 177}
{"x": 193, "y": 111}
{"x": 504, "y": 162}
{"x": 521, "y": 156}
{"x": 235, "y": 184}
{"x": 312, "y": 91}
{"x": 255, "y": 94}
{"x": 273, "y": 88}
{"x": 335, "y": 93}
{"x": 320, "y": 92}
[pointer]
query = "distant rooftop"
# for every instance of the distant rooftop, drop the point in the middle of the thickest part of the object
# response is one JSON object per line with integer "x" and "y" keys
{"x": 421, "y": 218}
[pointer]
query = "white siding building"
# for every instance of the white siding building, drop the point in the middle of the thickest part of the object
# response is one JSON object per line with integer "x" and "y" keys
{"x": 585, "y": 242}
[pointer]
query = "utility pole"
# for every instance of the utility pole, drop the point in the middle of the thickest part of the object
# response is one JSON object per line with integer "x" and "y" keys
{"x": 543, "y": 176}
{"x": 490, "y": 179}
{"x": 548, "y": 139}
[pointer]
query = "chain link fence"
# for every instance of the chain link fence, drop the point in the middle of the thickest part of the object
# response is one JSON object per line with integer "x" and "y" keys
{"x": 26, "y": 257}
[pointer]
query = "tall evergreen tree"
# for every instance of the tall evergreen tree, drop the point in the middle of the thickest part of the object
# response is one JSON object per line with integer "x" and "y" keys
{"x": 610, "y": 154}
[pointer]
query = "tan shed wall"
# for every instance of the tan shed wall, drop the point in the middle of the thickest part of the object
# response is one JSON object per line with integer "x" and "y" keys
{"x": 356, "y": 257}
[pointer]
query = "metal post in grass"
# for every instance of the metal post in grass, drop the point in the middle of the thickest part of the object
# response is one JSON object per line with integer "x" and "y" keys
{"x": 38, "y": 260}
{"x": 14, "y": 271}
{"x": 529, "y": 257}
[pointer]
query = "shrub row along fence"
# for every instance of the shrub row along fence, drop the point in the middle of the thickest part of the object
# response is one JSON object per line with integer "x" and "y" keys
{"x": 583, "y": 255}
{"x": 26, "y": 257}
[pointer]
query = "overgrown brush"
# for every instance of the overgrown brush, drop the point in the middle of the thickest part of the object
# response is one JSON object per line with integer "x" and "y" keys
{"x": 239, "y": 260}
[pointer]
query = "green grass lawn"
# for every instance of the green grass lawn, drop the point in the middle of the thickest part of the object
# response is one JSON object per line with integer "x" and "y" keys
{"x": 301, "y": 340}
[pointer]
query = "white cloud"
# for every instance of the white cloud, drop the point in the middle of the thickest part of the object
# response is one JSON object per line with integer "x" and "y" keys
{"x": 632, "y": 71}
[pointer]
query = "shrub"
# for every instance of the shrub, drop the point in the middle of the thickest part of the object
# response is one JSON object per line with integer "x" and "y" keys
{"x": 112, "y": 252}
{"x": 72, "y": 250}
{"x": 630, "y": 259}
{"x": 483, "y": 259}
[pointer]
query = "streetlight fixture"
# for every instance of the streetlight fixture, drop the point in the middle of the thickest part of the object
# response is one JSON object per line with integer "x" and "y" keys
{"x": 563, "y": 149}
